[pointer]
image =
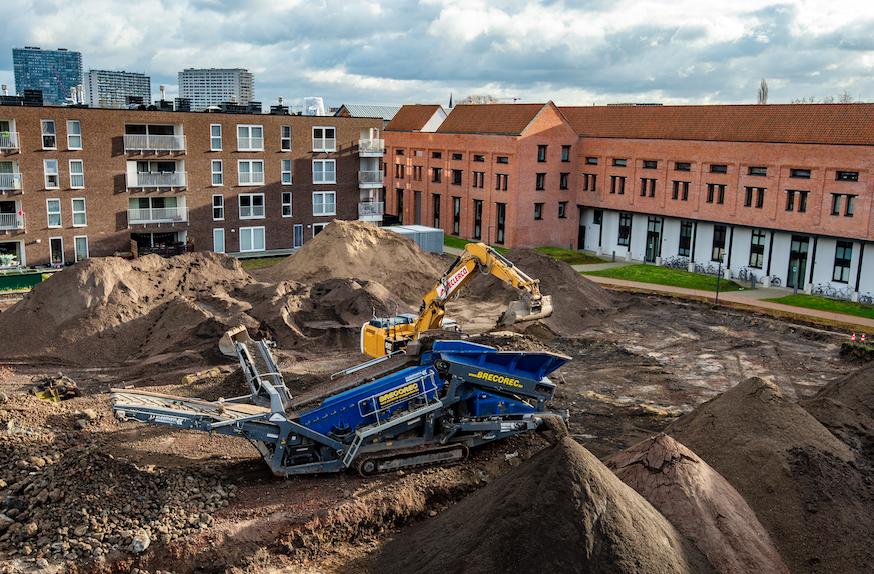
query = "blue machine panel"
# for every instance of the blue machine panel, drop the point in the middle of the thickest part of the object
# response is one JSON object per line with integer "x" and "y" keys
{"x": 532, "y": 366}
{"x": 483, "y": 404}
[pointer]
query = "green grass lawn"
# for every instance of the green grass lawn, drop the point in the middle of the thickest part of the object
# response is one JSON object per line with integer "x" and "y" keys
{"x": 569, "y": 256}
{"x": 259, "y": 262}
{"x": 458, "y": 243}
{"x": 826, "y": 304}
{"x": 666, "y": 276}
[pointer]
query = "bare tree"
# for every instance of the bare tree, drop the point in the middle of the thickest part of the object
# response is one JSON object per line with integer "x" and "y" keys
{"x": 828, "y": 100}
{"x": 763, "y": 92}
{"x": 481, "y": 99}
{"x": 845, "y": 98}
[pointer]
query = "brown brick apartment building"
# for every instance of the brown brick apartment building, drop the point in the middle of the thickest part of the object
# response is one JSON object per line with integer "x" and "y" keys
{"x": 78, "y": 182}
{"x": 785, "y": 190}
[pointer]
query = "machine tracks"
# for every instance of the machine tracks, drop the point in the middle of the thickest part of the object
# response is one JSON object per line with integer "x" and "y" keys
{"x": 409, "y": 458}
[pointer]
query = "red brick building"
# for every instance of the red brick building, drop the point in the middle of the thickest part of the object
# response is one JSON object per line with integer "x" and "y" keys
{"x": 78, "y": 182}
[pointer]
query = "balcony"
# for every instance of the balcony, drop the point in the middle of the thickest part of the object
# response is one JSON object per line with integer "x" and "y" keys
{"x": 135, "y": 142}
{"x": 157, "y": 215}
{"x": 9, "y": 141}
{"x": 10, "y": 182}
{"x": 371, "y": 210}
{"x": 11, "y": 221}
{"x": 153, "y": 179}
{"x": 371, "y": 148}
{"x": 370, "y": 179}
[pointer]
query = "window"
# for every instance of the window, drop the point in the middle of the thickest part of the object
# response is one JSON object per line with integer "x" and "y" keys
{"x": 56, "y": 248}
{"x": 540, "y": 181}
{"x": 803, "y": 173}
{"x": 318, "y": 227}
{"x": 620, "y": 162}
{"x": 250, "y": 172}
{"x": 851, "y": 201}
{"x": 436, "y": 155}
{"x": 285, "y": 138}
{"x": 479, "y": 158}
{"x": 251, "y": 206}
{"x": 749, "y": 196}
{"x": 650, "y": 164}
{"x": 681, "y": 186}
{"x": 399, "y": 193}
{"x": 285, "y": 166}
{"x": 562, "y": 180}
{"x": 218, "y": 207}
{"x": 79, "y": 217}
{"x": 501, "y": 217}
{"x": 77, "y": 174}
{"x": 589, "y": 180}
{"x": 617, "y": 184}
{"x": 624, "y": 230}
{"x": 477, "y": 219}
{"x": 49, "y": 141}
{"x": 217, "y": 177}
{"x": 456, "y": 156}
{"x": 50, "y": 168}
{"x": 538, "y": 211}
{"x": 324, "y": 139}
{"x": 843, "y": 256}
{"x": 757, "y": 249}
{"x": 399, "y": 152}
{"x": 324, "y": 203}
{"x": 715, "y": 190}
{"x": 850, "y": 204}
{"x": 456, "y": 215}
{"x": 714, "y": 168}
{"x": 53, "y": 207}
{"x": 758, "y": 171}
{"x": 436, "y": 174}
{"x": 647, "y": 184}
{"x": 597, "y": 216}
{"x": 252, "y": 239}
{"x": 501, "y": 181}
{"x": 399, "y": 171}
{"x": 847, "y": 176}
{"x": 215, "y": 137}
{"x": 720, "y": 198}
{"x": 682, "y": 166}
{"x": 286, "y": 204}
{"x": 790, "y": 200}
{"x": 250, "y": 138}
{"x": 836, "y": 204}
{"x": 592, "y": 161}
{"x": 456, "y": 177}
{"x": 479, "y": 178}
{"x": 437, "y": 210}
{"x": 417, "y": 172}
{"x": 324, "y": 171}
{"x": 565, "y": 153}
{"x": 718, "y": 243}
{"x": 562, "y": 209}
{"x": 503, "y": 159}
{"x": 760, "y": 197}
{"x": 685, "y": 238}
{"x": 802, "y": 204}
{"x": 80, "y": 247}
{"x": 74, "y": 135}
{"x": 541, "y": 153}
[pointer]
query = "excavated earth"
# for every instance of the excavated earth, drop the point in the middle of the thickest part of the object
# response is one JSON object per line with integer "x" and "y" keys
{"x": 768, "y": 409}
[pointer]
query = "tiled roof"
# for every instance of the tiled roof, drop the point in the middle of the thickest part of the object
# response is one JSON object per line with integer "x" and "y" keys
{"x": 847, "y": 124}
{"x": 412, "y": 117}
{"x": 504, "y": 119}
{"x": 368, "y": 111}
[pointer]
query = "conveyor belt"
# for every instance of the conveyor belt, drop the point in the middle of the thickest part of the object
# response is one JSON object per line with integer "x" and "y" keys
{"x": 132, "y": 399}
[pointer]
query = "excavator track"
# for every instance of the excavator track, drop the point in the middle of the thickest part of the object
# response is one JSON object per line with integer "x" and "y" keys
{"x": 410, "y": 458}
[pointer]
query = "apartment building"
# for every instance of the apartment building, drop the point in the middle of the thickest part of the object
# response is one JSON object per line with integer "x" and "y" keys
{"x": 78, "y": 182}
{"x": 110, "y": 89}
{"x": 785, "y": 190}
{"x": 212, "y": 86}
{"x": 53, "y": 72}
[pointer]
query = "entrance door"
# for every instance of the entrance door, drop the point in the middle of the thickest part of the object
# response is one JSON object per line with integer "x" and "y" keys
{"x": 298, "y": 235}
{"x": 581, "y": 237}
{"x": 56, "y": 244}
{"x": 218, "y": 240}
{"x": 418, "y": 197}
{"x": 653, "y": 239}
{"x": 797, "y": 261}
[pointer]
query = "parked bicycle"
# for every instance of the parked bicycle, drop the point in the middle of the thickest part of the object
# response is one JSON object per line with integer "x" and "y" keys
{"x": 676, "y": 262}
{"x": 866, "y": 299}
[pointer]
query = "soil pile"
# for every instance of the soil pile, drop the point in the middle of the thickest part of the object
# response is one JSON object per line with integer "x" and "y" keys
{"x": 560, "y": 511}
{"x": 854, "y": 390}
{"x": 360, "y": 250}
{"x": 700, "y": 503}
{"x": 807, "y": 488}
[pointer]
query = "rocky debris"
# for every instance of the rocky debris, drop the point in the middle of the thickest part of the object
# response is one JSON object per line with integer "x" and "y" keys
{"x": 559, "y": 511}
{"x": 700, "y": 503}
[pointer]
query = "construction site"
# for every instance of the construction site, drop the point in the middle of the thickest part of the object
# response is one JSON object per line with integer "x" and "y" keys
{"x": 185, "y": 415}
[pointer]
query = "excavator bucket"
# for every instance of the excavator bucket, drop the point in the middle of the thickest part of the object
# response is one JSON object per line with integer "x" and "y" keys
{"x": 226, "y": 343}
{"x": 522, "y": 311}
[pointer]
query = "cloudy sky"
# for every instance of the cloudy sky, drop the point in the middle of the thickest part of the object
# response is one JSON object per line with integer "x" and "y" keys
{"x": 578, "y": 52}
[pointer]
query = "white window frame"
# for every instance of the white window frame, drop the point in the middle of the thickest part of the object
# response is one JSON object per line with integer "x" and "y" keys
{"x": 51, "y": 174}
{"x": 62, "y": 261}
{"x": 46, "y": 133}
{"x": 80, "y": 175}
{"x": 318, "y": 227}
{"x": 215, "y": 139}
{"x": 82, "y": 212}
{"x": 250, "y": 231}
{"x": 74, "y": 132}
{"x": 50, "y": 204}
{"x": 79, "y": 256}
{"x": 218, "y": 206}
{"x": 250, "y": 180}
{"x": 286, "y": 204}
{"x": 297, "y": 232}
{"x": 255, "y": 143}
{"x": 325, "y": 194}
{"x": 324, "y": 143}
{"x": 217, "y": 172}
{"x": 286, "y": 171}
{"x": 322, "y": 176}
{"x": 285, "y": 138}
{"x": 252, "y": 211}
{"x": 218, "y": 231}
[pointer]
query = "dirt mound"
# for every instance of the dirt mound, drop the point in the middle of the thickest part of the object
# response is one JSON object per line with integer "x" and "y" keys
{"x": 360, "y": 250}
{"x": 807, "y": 487}
{"x": 700, "y": 503}
{"x": 854, "y": 390}
{"x": 560, "y": 511}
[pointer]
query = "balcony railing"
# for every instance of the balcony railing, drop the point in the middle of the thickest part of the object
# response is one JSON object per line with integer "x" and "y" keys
{"x": 370, "y": 177}
{"x": 9, "y": 140}
{"x": 371, "y": 146}
{"x": 11, "y": 221}
{"x": 136, "y": 142}
{"x": 324, "y": 144}
{"x": 10, "y": 181}
{"x": 371, "y": 208}
{"x": 152, "y": 179}
{"x": 158, "y": 215}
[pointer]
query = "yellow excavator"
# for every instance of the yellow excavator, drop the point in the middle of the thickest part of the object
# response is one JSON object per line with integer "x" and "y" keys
{"x": 386, "y": 336}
